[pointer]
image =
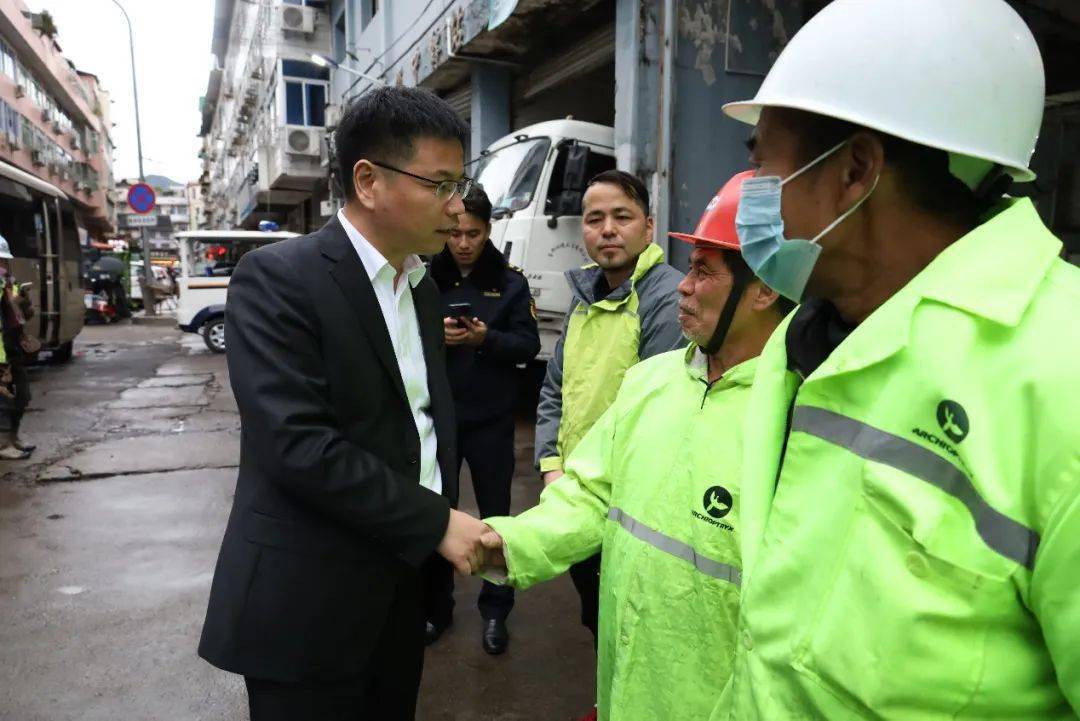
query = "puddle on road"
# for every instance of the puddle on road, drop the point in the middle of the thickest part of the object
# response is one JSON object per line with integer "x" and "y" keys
{"x": 177, "y": 381}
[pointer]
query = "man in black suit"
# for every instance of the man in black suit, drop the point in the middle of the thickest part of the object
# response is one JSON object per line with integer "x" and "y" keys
{"x": 348, "y": 472}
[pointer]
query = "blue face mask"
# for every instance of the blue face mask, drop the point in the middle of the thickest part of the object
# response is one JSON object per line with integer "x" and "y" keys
{"x": 782, "y": 264}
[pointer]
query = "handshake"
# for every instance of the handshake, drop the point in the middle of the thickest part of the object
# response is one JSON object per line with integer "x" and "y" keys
{"x": 472, "y": 546}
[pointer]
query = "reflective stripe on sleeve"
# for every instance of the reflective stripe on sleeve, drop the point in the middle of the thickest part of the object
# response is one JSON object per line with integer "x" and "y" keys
{"x": 708, "y": 566}
{"x": 1001, "y": 533}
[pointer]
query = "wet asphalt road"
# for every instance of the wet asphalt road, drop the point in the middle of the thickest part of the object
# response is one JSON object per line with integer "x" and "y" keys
{"x": 108, "y": 537}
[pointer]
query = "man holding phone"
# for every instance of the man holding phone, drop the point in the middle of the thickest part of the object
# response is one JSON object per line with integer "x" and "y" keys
{"x": 490, "y": 327}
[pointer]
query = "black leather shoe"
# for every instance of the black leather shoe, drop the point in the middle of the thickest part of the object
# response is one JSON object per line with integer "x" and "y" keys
{"x": 433, "y": 631}
{"x": 496, "y": 637}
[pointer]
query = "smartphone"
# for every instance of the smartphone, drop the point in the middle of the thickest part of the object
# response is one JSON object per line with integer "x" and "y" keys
{"x": 460, "y": 309}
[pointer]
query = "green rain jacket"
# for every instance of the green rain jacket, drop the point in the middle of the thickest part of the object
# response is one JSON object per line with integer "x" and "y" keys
{"x": 914, "y": 553}
{"x": 655, "y": 482}
{"x": 604, "y": 337}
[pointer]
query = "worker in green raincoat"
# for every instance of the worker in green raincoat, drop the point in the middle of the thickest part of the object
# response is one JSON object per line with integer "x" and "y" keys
{"x": 655, "y": 482}
{"x": 911, "y": 478}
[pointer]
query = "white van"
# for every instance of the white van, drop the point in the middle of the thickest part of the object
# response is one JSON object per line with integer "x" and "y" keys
{"x": 535, "y": 178}
{"x": 207, "y": 260}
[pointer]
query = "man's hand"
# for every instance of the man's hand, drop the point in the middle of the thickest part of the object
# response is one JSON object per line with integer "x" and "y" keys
{"x": 461, "y": 544}
{"x": 475, "y": 331}
{"x": 551, "y": 476}
{"x": 493, "y": 554}
{"x": 455, "y": 334}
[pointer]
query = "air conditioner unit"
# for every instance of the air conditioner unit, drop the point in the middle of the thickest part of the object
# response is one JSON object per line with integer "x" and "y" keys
{"x": 57, "y": 127}
{"x": 13, "y": 141}
{"x": 37, "y": 157}
{"x": 328, "y": 208}
{"x": 20, "y": 90}
{"x": 298, "y": 19}
{"x": 46, "y": 115}
{"x": 302, "y": 140}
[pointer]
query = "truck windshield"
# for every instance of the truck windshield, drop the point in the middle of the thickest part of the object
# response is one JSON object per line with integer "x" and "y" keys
{"x": 510, "y": 175}
{"x": 216, "y": 258}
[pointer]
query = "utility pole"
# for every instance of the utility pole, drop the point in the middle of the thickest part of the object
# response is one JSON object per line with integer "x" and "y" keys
{"x": 148, "y": 272}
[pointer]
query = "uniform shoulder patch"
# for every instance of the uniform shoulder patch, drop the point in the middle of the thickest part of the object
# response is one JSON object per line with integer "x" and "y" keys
{"x": 516, "y": 269}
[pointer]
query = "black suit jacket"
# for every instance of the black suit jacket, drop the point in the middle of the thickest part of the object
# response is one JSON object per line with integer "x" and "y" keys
{"x": 329, "y": 519}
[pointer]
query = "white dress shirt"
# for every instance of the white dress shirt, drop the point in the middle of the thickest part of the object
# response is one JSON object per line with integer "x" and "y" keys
{"x": 400, "y": 316}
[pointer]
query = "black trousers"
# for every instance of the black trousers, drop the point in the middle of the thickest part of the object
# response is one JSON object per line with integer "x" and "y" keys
{"x": 488, "y": 448}
{"x": 586, "y": 578}
{"x": 387, "y": 692}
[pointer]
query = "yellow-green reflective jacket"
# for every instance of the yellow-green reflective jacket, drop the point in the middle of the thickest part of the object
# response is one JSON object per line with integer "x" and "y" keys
{"x": 912, "y": 539}
{"x": 655, "y": 482}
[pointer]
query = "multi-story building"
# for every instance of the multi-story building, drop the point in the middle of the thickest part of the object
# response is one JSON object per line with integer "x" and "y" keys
{"x": 54, "y": 119}
{"x": 264, "y": 115}
{"x": 196, "y": 205}
{"x": 102, "y": 105}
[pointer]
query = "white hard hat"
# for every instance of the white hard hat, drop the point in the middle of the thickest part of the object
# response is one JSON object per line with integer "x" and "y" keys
{"x": 5, "y": 249}
{"x": 964, "y": 76}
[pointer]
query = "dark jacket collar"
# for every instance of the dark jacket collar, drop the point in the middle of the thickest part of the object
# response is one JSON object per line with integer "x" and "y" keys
{"x": 489, "y": 273}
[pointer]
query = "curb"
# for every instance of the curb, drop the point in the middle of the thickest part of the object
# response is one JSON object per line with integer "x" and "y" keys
{"x": 162, "y": 320}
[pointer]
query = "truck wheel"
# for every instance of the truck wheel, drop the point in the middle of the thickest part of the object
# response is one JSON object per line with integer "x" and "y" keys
{"x": 214, "y": 334}
{"x": 63, "y": 352}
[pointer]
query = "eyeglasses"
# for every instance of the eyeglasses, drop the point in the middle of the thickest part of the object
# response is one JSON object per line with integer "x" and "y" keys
{"x": 444, "y": 189}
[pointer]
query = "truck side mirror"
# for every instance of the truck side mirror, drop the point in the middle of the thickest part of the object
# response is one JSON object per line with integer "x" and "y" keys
{"x": 577, "y": 163}
{"x": 568, "y": 201}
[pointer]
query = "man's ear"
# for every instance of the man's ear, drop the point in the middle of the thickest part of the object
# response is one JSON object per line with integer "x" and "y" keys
{"x": 863, "y": 162}
{"x": 364, "y": 179}
{"x": 762, "y": 296}
{"x": 650, "y": 229}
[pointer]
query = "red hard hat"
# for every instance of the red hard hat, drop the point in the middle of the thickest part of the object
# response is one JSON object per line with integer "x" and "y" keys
{"x": 716, "y": 229}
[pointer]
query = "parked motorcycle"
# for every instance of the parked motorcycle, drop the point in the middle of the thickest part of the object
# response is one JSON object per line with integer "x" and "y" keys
{"x": 98, "y": 309}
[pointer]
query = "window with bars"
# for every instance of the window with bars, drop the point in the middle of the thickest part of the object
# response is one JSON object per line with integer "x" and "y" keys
{"x": 305, "y": 92}
{"x": 7, "y": 60}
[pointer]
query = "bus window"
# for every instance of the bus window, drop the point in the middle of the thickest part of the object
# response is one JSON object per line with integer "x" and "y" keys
{"x": 17, "y": 225}
{"x": 69, "y": 246}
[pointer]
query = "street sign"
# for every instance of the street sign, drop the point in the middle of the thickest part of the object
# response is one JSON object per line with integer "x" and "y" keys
{"x": 142, "y": 221}
{"x": 141, "y": 198}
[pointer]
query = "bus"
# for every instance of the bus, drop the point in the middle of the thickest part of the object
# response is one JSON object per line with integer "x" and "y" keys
{"x": 39, "y": 222}
{"x": 207, "y": 260}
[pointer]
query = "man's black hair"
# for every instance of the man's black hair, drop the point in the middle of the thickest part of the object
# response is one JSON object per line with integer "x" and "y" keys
{"x": 477, "y": 203}
{"x": 629, "y": 184}
{"x": 383, "y": 123}
{"x": 923, "y": 171}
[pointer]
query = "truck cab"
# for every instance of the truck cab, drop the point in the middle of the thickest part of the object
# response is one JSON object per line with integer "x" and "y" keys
{"x": 535, "y": 179}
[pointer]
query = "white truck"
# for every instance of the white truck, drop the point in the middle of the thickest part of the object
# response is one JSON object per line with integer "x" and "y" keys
{"x": 535, "y": 178}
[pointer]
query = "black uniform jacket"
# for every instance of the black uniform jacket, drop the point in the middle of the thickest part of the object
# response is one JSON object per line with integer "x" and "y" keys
{"x": 328, "y": 519}
{"x": 484, "y": 378}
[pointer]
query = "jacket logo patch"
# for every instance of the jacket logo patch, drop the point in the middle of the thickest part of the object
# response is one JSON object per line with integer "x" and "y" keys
{"x": 953, "y": 420}
{"x": 716, "y": 503}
